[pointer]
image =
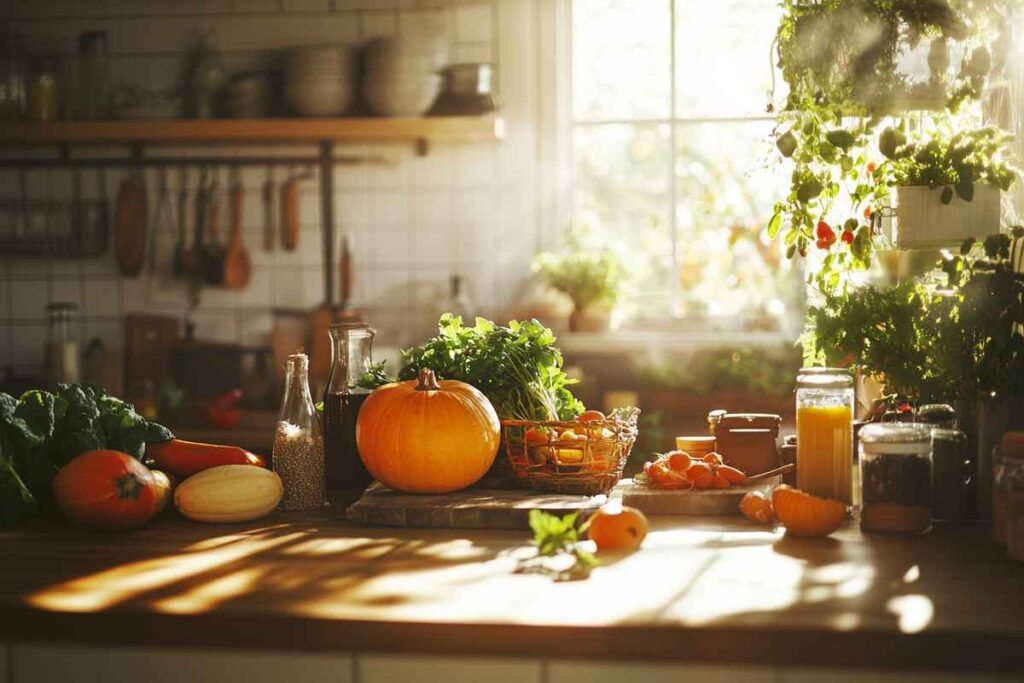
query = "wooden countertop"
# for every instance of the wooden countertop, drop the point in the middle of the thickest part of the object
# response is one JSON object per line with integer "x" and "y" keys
{"x": 701, "y": 590}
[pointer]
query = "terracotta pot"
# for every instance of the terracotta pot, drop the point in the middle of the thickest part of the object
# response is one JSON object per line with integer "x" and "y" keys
{"x": 590, "y": 321}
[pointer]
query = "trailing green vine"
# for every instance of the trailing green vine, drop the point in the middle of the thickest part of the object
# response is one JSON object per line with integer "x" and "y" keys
{"x": 854, "y": 126}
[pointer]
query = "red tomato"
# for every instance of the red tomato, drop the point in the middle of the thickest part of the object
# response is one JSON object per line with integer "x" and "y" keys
{"x": 107, "y": 490}
{"x": 536, "y": 436}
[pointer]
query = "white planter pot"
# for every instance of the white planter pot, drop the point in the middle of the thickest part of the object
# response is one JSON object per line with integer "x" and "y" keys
{"x": 923, "y": 221}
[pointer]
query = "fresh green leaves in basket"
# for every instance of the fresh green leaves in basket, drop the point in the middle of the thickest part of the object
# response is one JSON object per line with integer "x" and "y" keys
{"x": 517, "y": 367}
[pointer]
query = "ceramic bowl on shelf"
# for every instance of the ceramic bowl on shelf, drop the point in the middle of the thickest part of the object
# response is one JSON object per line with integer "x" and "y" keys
{"x": 407, "y": 54}
{"x": 402, "y": 97}
{"x": 318, "y": 79}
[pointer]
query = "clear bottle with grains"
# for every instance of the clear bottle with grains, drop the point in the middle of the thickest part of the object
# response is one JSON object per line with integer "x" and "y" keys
{"x": 298, "y": 441}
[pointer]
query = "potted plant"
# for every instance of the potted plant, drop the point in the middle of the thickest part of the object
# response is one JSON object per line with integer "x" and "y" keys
{"x": 948, "y": 187}
{"x": 591, "y": 279}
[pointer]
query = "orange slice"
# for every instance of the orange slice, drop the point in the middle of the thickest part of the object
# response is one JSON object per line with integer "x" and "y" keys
{"x": 805, "y": 515}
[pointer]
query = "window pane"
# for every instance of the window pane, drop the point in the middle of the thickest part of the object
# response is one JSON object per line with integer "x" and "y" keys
{"x": 725, "y": 192}
{"x": 723, "y": 60}
{"x": 622, "y": 195}
{"x": 621, "y": 53}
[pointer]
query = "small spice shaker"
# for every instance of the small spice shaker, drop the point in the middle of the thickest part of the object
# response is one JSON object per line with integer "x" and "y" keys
{"x": 1008, "y": 467}
{"x": 298, "y": 441}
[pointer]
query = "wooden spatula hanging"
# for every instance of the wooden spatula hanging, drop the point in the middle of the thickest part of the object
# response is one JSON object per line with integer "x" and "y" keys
{"x": 130, "y": 225}
{"x": 290, "y": 214}
{"x": 237, "y": 266}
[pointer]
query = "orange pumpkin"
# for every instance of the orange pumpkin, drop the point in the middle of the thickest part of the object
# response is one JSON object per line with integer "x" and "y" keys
{"x": 425, "y": 436}
{"x": 805, "y": 515}
{"x": 107, "y": 489}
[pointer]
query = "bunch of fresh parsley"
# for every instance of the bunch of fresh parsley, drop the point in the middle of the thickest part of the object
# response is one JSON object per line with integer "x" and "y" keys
{"x": 42, "y": 431}
{"x": 518, "y": 367}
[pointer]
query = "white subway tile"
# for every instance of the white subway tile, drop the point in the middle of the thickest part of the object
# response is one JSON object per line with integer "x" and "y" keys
{"x": 378, "y": 24}
{"x": 463, "y": 53}
{"x": 391, "y": 668}
{"x": 159, "y": 665}
{"x": 298, "y": 288}
{"x": 253, "y": 6}
{"x": 473, "y": 23}
{"x": 434, "y": 22}
{"x": 256, "y": 328}
{"x": 389, "y": 209}
{"x": 352, "y": 208}
{"x": 385, "y": 248}
{"x": 433, "y": 207}
{"x": 475, "y": 165}
{"x": 259, "y": 291}
{"x": 217, "y": 327}
{"x": 28, "y": 300}
{"x": 390, "y": 175}
{"x": 28, "y": 343}
{"x": 103, "y": 297}
{"x": 436, "y": 169}
{"x": 306, "y": 5}
{"x": 64, "y": 291}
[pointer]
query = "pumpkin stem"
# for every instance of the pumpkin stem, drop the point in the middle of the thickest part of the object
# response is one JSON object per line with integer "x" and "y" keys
{"x": 128, "y": 487}
{"x": 428, "y": 382}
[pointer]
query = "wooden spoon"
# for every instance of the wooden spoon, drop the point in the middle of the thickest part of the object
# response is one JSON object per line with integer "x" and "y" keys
{"x": 130, "y": 225}
{"x": 290, "y": 215}
{"x": 770, "y": 473}
{"x": 237, "y": 266}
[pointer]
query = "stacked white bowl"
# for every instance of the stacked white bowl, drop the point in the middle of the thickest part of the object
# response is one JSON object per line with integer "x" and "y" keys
{"x": 318, "y": 79}
{"x": 401, "y": 76}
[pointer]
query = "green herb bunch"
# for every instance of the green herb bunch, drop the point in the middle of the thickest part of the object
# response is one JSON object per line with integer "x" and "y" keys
{"x": 517, "y": 367}
{"x": 955, "y": 335}
{"x": 555, "y": 536}
{"x": 42, "y": 431}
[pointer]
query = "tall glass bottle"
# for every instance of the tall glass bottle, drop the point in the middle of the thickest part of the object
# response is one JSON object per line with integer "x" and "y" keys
{"x": 824, "y": 432}
{"x": 298, "y": 442}
{"x": 351, "y": 344}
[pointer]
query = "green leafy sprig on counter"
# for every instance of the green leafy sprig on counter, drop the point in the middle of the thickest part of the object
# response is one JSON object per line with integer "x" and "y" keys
{"x": 518, "y": 367}
{"x": 556, "y": 536}
{"x": 42, "y": 431}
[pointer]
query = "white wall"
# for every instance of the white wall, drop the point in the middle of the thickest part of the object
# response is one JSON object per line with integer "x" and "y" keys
{"x": 469, "y": 208}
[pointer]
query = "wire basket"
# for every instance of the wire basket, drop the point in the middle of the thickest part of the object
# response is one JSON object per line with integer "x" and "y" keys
{"x": 571, "y": 457}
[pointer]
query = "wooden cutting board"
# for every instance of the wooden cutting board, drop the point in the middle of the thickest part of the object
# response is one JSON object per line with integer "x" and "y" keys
{"x": 469, "y": 509}
{"x": 706, "y": 502}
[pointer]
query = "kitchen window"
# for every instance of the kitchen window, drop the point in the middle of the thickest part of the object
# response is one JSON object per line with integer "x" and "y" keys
{"x": 670, "y": 160}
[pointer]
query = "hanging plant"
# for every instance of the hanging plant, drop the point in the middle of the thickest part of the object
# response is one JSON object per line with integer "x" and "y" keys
{"x": 846, "y": 125}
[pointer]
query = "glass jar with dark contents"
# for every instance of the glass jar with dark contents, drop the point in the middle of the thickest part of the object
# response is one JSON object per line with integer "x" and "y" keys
{"x": 896, "y": 477}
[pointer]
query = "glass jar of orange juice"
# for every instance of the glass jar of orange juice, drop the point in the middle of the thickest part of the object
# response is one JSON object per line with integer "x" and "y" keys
{"x": 824, "y": 433}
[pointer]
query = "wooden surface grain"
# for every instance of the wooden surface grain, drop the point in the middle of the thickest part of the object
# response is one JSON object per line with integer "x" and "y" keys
{"x": 711, "y": 590}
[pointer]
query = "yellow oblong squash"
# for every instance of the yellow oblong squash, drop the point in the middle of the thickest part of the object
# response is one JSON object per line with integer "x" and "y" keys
{"x": 229, "y": 493}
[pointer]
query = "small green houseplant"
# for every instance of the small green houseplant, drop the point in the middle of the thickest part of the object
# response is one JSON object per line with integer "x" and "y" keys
{"x": 591, "y": 279}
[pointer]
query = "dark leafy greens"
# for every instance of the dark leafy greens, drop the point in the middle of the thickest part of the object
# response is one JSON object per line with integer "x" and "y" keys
{"x": 518, "y": 367}
{"x": 43, "y": 431}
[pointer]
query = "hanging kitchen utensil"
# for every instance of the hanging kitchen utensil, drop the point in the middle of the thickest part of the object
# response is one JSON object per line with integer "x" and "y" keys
{"x": 194, "y": 256}
{"x": 163, "y": 217}
{"x": 213, "y": 267}
{"x": 180, "y": 250}
{"x": 237, "y": 266}
{"x": 269, "y": 227}
{"x": 290, "y": 214}
{"x": 130, "y": 224}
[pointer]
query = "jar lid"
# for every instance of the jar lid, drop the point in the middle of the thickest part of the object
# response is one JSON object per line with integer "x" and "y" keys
{"x": 894, "y": 433}
{"x": 824, "y": 378}
{"x": 934, "y": 413}
{"x": 1013, "y": 445}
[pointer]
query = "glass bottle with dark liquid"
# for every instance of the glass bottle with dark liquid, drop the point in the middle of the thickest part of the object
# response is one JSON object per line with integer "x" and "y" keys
{"x": 350, "y": 358}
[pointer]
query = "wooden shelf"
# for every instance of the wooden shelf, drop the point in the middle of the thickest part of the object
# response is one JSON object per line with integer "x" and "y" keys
{"x": 351, "y": 130}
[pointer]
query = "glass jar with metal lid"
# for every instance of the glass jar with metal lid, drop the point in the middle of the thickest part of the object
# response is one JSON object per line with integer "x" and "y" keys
{"x": 896, "y": 477}
{"x": 824, "y": 429}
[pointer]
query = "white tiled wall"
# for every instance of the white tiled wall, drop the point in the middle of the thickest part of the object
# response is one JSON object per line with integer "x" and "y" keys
{"x": 413, "y": 221}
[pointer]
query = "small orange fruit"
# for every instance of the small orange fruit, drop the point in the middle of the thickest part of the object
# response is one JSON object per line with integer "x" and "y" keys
{"x": 617, "y": 527}
{"x": 757, "y": 508}
{"x": 713, "y": 458}
{"x": 678, "y": 461}
{"x": 805, "y": 515}
{"x": 591, "y": 416}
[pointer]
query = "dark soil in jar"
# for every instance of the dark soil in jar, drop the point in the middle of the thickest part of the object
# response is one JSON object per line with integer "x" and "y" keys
{"x": 899, "y": 479}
